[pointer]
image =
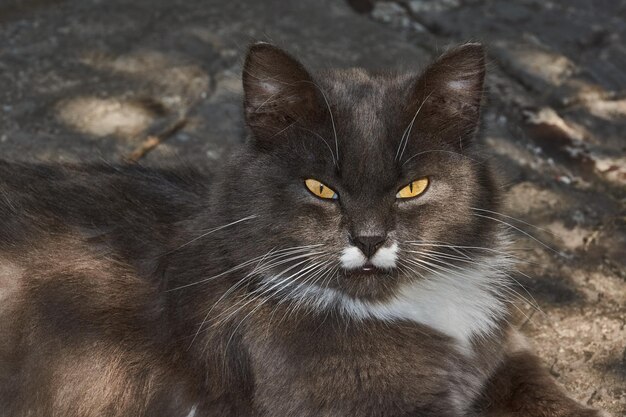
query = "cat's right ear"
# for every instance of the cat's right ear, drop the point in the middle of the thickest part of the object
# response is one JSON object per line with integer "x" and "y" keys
{"x": 278, "y": 92}
{"x": 447, "y": 96}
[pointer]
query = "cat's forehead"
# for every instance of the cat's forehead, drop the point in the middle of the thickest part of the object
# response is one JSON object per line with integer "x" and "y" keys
{"x": 358, "y": 88}
{"x": 367, "y": 104}
{"x": 367, "y": 111}
{"x": 345, "y": 78}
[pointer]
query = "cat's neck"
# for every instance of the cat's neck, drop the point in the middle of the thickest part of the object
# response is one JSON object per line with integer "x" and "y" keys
{"x": 466, "y": 304}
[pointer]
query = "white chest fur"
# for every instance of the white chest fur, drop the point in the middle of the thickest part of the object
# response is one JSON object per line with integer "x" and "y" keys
{"x": 460, "y": 305}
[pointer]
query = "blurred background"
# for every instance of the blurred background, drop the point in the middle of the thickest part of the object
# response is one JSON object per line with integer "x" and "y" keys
{"x": 158, "y": 82}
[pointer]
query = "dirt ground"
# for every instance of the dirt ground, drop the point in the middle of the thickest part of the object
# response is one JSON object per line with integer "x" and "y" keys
{"x": 159, "y": 81}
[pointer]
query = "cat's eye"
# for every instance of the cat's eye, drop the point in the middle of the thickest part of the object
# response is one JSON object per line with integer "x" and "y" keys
{"x": 413, "y": 189}
{"x": 320, "y": 190}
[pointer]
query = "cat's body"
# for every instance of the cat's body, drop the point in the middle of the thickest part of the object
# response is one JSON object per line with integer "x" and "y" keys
{"x": 130, "y": 292}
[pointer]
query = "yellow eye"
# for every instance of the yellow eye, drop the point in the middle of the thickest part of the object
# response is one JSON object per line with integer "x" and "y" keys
{"x": 413, "y": 189}
{"x": 320, "y": 190}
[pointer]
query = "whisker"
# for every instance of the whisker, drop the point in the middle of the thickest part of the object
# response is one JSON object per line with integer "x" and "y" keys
{"x": 324, "y": 275}
{"x": 332, "y": 120}
{"x": 433, "y": 256}
{"x": 226, "y": 294}
{"x": 435, "y": 267}
{"x": 521, "y": 231}
{"x": 425, "y": 265}
{"x": 221, "y": 274}
{"x": 441, "y": 271}
{"x": 259, "y": 305}
{"x": 297, "y": 287}
{"x": 445, "y": 245}
{"x": 215, "y": 229}
{"x": 275, "y": 263}
{"x": 265, "y": 289}
{"x": 295, "y": 303}
{"x": 262, "y": 289}
{"x": 405, "y": 264}
{"x": 442, "y": 151}
{"x": 325, "y": 142}
{"x": 517, "y": 220}
{"x": 228, "y": 271}
{"x": 409, "y": 128}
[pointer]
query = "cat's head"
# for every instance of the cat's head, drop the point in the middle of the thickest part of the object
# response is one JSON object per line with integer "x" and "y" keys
{"x": 359, "y": 181}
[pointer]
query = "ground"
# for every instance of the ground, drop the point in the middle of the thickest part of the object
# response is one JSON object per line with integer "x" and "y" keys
{"x": 159, "y": 81}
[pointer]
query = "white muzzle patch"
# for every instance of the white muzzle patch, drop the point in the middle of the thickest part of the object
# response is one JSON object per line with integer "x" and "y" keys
{"x": 352, "y": 258}
{"x": 384, "y": 258}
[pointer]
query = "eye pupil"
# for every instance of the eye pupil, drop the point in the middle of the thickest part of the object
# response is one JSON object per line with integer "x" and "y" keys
{"x": 413, "y": 189}
{"x": 319, "y": 189}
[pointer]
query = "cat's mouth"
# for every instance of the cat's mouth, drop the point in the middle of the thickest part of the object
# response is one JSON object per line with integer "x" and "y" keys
{"x": 368, "y": 269}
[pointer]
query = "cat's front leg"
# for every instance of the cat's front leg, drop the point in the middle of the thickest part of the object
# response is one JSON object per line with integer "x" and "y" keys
{"x": 522, "y": 387}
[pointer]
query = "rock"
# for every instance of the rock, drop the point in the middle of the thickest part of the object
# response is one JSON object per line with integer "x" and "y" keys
{"x": 426, "y": 6}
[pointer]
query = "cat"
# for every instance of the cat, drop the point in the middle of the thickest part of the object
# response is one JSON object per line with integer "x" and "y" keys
{"x": 341, "y": 263}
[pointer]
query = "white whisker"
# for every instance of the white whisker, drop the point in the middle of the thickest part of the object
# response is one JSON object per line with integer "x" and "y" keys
{"x": 215, "y": 229}
{"x": 438, "y": 256}
{"x": 407, "y": 132}
{"x": 228, "y": 271}
{"x": 519, "y": 230}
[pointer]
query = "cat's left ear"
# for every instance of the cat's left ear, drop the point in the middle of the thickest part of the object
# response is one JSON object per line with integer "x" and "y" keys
{"x": 447, "y": 97}
{"x": 278, "y": 92}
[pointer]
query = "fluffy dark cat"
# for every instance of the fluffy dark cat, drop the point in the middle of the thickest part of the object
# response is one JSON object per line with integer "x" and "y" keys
{"x": 342, "y": 263}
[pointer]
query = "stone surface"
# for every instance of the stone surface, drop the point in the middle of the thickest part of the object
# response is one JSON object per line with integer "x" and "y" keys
{"x": 84, "y": 80}
{"x": 81, "y": 80}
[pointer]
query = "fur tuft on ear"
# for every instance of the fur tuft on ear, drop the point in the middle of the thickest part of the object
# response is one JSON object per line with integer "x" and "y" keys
{"x": 278, "y": 91}
{"x": 447, "y": 96}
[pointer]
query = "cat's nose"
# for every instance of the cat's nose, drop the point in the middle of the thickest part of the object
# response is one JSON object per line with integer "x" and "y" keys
{"x": 369, "y": 244}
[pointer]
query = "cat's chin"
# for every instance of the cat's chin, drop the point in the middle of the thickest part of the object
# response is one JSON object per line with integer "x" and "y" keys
{"x": 368, "y": 282}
